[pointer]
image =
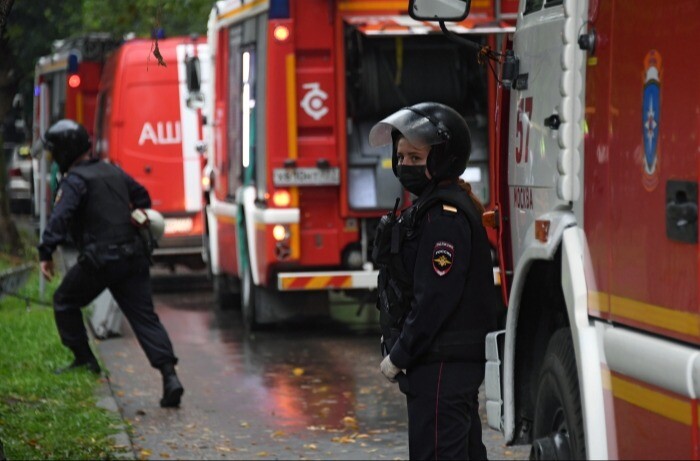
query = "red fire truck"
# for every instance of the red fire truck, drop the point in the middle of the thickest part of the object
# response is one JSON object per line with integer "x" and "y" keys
{"x": 149, "y": 124}
{"x": 296, "y": 191}
{"x": 597, "y": 198}
{"x": 65, "y": 86}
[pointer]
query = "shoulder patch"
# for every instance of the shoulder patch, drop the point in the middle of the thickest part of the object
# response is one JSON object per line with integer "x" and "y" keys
{"x": 443, "y": 256}
{"x": 450, "y": 208}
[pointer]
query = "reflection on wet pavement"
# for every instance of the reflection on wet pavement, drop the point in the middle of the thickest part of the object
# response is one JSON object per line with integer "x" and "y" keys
{"x": 310, "y": 391}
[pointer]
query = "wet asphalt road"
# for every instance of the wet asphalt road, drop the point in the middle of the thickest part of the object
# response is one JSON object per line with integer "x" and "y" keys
{"x": 290, "y": 392}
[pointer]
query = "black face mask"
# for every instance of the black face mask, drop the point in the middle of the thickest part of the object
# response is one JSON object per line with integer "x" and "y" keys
{"x": 413, "y": 178}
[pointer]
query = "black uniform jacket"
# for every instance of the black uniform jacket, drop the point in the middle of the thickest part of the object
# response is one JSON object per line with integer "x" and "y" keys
{"x": 70, "y": 198}
{"x": 454, "y": 300}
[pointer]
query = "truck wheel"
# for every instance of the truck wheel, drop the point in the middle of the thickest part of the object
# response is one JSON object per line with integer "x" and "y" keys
{"x": 558, "y": 426}
{"x": 249, "y": 298}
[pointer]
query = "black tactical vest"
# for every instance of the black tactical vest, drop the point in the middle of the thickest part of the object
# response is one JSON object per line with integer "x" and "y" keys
{"x": 105, "y": 217}
{"x": 463, "y": 338}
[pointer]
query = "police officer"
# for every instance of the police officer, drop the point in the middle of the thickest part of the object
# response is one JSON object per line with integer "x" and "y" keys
{"x": 93, "y": 206}
{"x": 436, "y": 296}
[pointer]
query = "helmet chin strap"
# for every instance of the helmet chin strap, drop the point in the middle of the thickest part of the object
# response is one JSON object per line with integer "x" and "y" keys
{"x": 436, "y": 152}
{"x": 81, "y": 158}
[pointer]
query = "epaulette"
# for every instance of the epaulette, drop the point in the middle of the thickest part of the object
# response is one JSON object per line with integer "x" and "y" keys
{"x": 450, "y": 208}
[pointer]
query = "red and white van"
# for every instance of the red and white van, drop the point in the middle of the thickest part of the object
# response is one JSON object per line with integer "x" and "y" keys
{"x": 145, "y": 124}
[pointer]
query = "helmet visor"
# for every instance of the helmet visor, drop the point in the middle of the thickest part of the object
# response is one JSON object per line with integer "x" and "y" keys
{"x": 416, "y": 127}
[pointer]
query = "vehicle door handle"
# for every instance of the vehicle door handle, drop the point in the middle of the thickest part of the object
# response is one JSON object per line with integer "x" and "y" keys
{"x": 552, "y": 122}
{"x": 682, "y": 211}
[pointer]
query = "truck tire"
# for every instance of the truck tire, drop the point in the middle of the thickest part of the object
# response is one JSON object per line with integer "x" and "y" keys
{"x": 558, "y": 425}
{"x": 249, "y": 299}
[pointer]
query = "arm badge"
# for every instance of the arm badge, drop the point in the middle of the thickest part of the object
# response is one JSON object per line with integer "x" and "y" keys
{"x": 443, "y": 256}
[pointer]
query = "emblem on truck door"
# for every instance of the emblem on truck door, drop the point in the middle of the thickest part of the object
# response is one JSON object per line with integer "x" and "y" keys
{"x": 313, "y": 101}
{"x": 651, "y": 115}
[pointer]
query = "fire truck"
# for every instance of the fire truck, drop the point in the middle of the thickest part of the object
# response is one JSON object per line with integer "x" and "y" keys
{"x": 65, "y": 86}
{"x": 295, "y": 189}
{"x": 150, "y": 125}
{"x": 596, "y": 213}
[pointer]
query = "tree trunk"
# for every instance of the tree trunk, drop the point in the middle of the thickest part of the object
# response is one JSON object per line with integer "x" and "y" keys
{"x": 9, "y": 237}
{"x": 5, "y": 7}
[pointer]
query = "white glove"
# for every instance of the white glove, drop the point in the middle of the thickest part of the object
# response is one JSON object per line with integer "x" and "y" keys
{"x": 389, "y": 369}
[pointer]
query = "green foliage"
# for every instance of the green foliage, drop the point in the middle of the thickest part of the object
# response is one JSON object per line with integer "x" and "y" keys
{"x": 177, "y": 17}
{"x": 42, "y": 415}
{"x": 33, "y": 25}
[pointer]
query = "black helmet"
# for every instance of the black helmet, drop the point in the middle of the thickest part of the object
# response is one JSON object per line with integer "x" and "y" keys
{"x": 66, "y": 140}
{"x": 428, "y": 124}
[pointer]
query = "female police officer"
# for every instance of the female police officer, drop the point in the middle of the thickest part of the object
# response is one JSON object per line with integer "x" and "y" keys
{"x": 436, "y": 296}
{"x": 93, "y": 205}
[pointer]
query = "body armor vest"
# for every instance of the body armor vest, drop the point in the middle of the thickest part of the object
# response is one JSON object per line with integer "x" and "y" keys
{"x": 462, "y": 339}
{"x": 105, "y": 217}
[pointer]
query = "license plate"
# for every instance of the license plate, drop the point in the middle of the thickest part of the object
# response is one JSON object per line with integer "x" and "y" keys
{"x": 306, "y": 176}
{"x": 178, "y": 225}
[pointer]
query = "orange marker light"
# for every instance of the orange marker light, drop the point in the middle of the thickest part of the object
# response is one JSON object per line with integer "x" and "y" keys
{"x": 281, "y": 198}
{"x": 542, "y": 230}
{"x": 490, "y": 219}
{"x": 281, "y": 33}
{"x": 279, "y": 232}
{"x": 74, "y": 81}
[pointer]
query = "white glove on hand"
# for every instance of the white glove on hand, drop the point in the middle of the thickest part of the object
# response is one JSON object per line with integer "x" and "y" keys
{"x": 389, "y": 369}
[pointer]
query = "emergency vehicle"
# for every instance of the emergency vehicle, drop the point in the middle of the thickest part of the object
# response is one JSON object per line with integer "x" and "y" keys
{"x": 65, "y": 86}
{"x": 148, "y": 124}
{"x": 296, "y": 190}
{"x": 597, "y": 221}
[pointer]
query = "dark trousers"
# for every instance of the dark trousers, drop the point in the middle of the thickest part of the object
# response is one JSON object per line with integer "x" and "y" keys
{"x": 129, "y": 281}
{"x": 443, "y": 410}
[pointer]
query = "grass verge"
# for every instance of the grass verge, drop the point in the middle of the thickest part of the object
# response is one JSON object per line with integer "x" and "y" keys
{"x": 43, "y": 415}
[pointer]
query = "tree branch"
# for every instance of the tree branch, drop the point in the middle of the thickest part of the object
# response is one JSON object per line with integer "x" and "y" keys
{"x": 5, "y": 8}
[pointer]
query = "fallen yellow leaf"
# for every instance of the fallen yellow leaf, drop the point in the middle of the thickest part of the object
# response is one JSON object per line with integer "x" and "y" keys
{"x": 350, "y": 423}
{"x": 262, "y": 453}
{"x": 343, "y": 439}
{"x": 279, "y": 434}
{"x": 165, "y": 455}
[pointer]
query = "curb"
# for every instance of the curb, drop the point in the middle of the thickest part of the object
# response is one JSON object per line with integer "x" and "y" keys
{"x": 121, "y": 438}
{"x": 11, "y": 280}
{"x": 104, "y": 394}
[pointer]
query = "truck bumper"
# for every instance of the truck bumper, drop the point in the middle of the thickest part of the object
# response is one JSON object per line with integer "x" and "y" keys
{"x": 494, "y": 393}
{"x": 335, "y": 280}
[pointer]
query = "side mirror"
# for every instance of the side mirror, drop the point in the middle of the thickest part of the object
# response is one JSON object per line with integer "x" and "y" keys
{"x": 192, "y": 70}
{"x": 439, "y": 10}
{"x": 195, "y": 97}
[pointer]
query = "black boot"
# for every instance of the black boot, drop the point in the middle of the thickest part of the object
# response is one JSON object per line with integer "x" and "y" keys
{"x": 172, "y": 387}
{"x": 84, "y": 358}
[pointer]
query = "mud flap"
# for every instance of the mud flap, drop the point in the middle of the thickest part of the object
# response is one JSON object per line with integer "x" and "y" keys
{"x": 280, "y": 306}
{"x": 494, "y": 393}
